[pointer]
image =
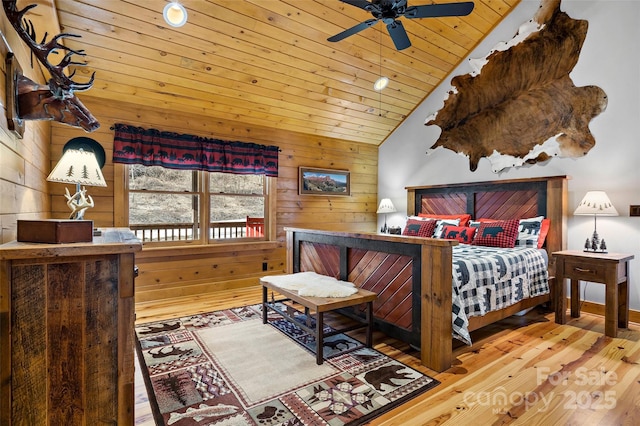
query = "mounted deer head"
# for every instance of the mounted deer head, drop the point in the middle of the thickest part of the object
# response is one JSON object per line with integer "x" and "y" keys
{"x": 55, "y": 101}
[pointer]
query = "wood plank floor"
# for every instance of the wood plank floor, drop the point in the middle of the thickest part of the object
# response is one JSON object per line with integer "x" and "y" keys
{"x": 523, "y": 370}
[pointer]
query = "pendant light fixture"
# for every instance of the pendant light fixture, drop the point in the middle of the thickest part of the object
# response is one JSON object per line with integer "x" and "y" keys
{"x": 381, "y": 82}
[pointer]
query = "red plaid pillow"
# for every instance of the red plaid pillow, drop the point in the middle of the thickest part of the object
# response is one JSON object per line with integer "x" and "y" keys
{"x": 501, "y": 233}
{"x": 464, "y": 234}
{"x": 419, "y": 228}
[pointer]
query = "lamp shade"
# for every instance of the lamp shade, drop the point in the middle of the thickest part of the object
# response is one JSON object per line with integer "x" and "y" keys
{"x": 386, "y": 206}
{"x": 81, "y": 163}
{"x": 596, "y": 203}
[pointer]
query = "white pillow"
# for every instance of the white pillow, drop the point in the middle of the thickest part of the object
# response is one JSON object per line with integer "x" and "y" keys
{"x": 529, "y": 232}
{"x": 419, "y": 218}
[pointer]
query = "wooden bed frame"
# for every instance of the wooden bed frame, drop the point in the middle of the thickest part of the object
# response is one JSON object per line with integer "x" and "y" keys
{"x": 412, "y": 276}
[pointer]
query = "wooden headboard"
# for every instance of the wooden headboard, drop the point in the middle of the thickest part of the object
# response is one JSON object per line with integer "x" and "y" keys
{"x": 505, "y": 199}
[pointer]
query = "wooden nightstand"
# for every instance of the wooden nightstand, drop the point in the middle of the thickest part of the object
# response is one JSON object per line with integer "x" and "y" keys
{"x": 610, "y": 269}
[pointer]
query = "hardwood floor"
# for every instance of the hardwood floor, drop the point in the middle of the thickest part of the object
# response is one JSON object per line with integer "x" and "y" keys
{"x": 523, "y": 370}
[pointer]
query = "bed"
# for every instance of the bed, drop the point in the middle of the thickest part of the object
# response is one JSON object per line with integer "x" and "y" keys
{"x": 413, "y": 276}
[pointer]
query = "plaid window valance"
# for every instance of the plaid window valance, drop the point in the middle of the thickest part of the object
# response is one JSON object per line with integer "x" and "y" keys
{"x": 151, "y": 147}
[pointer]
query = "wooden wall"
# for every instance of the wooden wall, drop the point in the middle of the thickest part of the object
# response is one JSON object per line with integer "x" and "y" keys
{"x": 25, "y": 193}
{"x": 188, "y": 271}
{"x": 24, "y": 163}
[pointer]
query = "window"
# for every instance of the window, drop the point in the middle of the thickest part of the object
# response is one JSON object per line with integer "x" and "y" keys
{"x": 181, "y": 206}
{"x": 234, "y": 200}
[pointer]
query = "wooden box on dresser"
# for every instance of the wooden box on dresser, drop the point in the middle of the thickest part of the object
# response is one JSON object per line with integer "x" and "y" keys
{"x": 66, "y": 326}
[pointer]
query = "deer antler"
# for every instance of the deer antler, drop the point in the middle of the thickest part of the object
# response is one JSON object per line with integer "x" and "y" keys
{"x": 56, "y": 100}
{"x": 62, "y": 86}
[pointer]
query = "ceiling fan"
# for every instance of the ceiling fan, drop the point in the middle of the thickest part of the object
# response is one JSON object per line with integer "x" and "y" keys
{"x": 388, "y": 11}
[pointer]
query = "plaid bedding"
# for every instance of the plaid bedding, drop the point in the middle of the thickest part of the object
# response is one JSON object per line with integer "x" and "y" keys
{"x": 488, "y": 278}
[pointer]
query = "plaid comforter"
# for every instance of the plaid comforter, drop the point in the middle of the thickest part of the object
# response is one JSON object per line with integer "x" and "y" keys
{"x": 487, "y": 279}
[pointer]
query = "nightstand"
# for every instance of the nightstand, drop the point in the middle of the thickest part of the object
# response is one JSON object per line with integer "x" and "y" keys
{"x": 610, "y": 269}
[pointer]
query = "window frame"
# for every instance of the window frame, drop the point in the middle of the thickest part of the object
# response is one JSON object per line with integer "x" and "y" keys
{"x": 201, "y": 180}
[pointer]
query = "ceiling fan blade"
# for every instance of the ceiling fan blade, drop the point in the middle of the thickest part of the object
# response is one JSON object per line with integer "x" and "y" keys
{"x": 398, "y": 35}
{"x": 353, "y": 30}
{"x": 362, "y": 4}
{"x": 437, "y": 10}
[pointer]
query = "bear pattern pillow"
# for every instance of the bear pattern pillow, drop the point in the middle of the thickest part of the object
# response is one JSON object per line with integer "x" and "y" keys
{"x": 501, "y": 233}
{"x": 441, "y": 223}
{"x": 419, "y": 228}
{"x": 529, "y": 232}
{"x": 464, "y": 234}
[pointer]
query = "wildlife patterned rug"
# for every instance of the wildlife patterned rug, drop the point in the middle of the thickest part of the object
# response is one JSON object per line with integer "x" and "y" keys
{"x": 228, "y": 368}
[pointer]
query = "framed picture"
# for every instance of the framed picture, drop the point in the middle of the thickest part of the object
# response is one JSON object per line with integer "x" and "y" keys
{"x": 324, "y": 182}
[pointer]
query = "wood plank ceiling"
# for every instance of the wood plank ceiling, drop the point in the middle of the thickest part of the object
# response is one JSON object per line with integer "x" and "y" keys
{"x": 268, "y": 62}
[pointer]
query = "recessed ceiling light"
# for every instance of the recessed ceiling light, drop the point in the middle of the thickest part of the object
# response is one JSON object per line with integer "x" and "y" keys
{"x": 381, "y": 83}
{"x": 175, "y": 14}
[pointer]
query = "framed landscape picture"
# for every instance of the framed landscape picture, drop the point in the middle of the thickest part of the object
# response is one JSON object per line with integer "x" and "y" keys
{"x": 314, "y": 181}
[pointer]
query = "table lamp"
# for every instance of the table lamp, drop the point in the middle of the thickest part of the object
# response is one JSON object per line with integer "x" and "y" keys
{"x": 595, "y": 203}
{"x": 81, "y": 163}
{"x": 386, "y": 206}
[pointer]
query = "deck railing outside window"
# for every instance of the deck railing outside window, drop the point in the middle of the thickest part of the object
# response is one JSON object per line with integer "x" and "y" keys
{"x": 185, "y": 231}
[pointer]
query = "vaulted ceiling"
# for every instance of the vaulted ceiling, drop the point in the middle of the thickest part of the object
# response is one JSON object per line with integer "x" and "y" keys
{"x": 268, "y": 62}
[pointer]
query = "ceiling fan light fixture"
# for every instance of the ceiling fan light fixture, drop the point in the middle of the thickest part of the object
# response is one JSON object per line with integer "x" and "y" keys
{"x": 381, "y": 83}
{"x": 175, "y": 14}
{"x": 389, "y": 12}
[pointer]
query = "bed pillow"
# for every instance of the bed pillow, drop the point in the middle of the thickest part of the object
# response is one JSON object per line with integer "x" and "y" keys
{"x": 544, "y": 230}
{"x": 501, "y": 233}
{"x": 424, "y": 219}
{"x": 476, "y": 223}
{"x": 464, "y": 234}
{"x": 463, "y": 218}
{"x": 441, "y": 223}
{"x": 529, "y": 232}
{"x": 419, "y": 228}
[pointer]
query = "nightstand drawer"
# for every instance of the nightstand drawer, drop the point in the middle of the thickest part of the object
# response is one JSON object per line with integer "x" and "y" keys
{"x": 584, "y": 270}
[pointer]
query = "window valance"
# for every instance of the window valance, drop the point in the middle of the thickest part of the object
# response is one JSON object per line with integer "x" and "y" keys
{"x": 151, "y": 147}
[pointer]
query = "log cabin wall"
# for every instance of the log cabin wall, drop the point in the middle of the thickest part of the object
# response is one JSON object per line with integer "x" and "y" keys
{"x": 171, "y": 272}
{"x": 24, "y": 163}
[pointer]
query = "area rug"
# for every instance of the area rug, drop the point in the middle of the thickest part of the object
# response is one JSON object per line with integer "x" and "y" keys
{"x": 228, "y": 368}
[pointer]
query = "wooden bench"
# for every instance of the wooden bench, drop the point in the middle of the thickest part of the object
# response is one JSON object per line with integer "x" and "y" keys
{"x": 320, "y": 305}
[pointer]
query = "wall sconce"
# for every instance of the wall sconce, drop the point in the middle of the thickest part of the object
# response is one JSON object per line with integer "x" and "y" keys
{"x": 595, "y": 203}
{"x": 386, "y": 206}
{"x": 175, "y": 14}
{"x": 81, "y": 163}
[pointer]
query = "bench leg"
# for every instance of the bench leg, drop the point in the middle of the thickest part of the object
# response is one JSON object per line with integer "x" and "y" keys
{"x": 369, "y": 324}
{"x": 264, "y": 305}
{"x": 319, "y": 337}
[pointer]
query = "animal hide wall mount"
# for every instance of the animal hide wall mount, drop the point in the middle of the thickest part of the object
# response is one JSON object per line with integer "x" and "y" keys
{"x": 520, "y": 106}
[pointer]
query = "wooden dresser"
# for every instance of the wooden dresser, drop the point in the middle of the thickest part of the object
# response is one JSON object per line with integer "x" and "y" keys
{"x": 66, "y": 331}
